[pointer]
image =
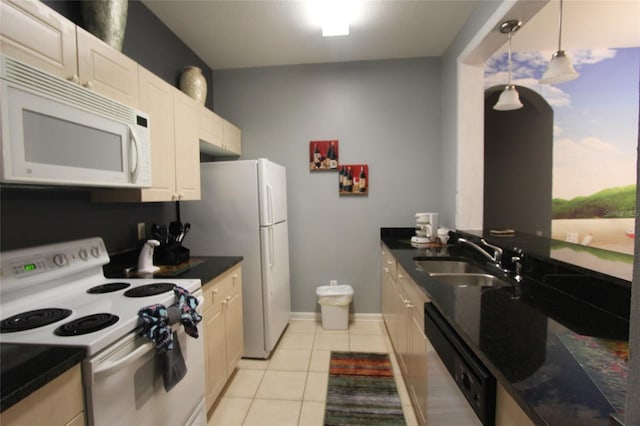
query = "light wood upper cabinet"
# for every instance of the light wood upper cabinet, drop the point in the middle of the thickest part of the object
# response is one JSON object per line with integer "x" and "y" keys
{"x": 33, "y": 33}
{"x": 232, "y": 138}
{"x": 210, "y": 127}
{"x": 187, "y": 153}
{"x": 156, "y": 98}
{"x": 105, "y": 70}
{"x": 217, "y": 136}
{"x": 175, "y": 157}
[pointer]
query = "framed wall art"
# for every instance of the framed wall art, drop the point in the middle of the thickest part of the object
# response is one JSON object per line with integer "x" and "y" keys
{"x": 323, "y": 155}
{"x": 353, "y": 179}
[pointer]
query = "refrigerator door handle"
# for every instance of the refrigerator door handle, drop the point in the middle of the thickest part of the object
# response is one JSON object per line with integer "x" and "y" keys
{"x": 272, "y": 250}
{"x": 270, "y": 204}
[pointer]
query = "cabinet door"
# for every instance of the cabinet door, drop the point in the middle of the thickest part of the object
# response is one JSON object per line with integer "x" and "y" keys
{"x": 233, "y": 321}
{"x": 215, "y": 354}
{"x": 59, "y": 402}
{"x": 32, "y": 33}
{"x": 187, "y": 149}
{"x": 214, "y": 341}
{"x": 416, "y": 363}
{"x": 388, "y": 286}
{"x": 210, "y": 131}
{"x": 105, "y": 70}
{"x": 156, "y": 99}
{"x": 232, "y": 138}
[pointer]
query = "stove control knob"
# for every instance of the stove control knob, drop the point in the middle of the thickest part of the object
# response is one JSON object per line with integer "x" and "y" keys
{"x": 83, "y": 254}
{"x": 59, "y": 259}
{"x": 95, "y": 251}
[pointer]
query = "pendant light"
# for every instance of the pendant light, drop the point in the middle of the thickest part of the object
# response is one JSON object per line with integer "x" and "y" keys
{"x": 559, "y": 69}
{"x": 509, "y": 98}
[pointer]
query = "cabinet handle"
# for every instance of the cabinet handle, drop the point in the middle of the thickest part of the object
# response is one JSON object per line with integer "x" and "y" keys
{"x": 74, "y": 79}
{"x": 214, "y": 291}
{"x": 88, "y": 85}
{"x": 389, "y": 262}
{"x": 228, "y": 298}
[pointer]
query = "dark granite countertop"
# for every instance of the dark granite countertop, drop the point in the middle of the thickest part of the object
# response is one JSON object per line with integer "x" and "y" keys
{"x": 26, "y": 368}
{"x": 563, "y": 360}
{"x": 204, "y": 268}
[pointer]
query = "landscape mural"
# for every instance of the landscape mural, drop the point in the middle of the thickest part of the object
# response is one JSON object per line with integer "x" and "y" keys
{"x": 595, "y": 138}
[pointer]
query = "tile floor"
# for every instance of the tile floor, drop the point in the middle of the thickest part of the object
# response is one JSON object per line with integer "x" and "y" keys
{"x": 291, "y": 387}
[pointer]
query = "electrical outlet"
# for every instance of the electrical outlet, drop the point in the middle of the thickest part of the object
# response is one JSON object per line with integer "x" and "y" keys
{"x": 333, "y": 282}
{"x": 141, "y": 231}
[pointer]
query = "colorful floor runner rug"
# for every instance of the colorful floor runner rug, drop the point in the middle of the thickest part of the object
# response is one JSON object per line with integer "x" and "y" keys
{"x": 362, "y": 391}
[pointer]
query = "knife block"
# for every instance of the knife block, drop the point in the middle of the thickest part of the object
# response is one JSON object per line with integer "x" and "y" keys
{"x": 170, "y": 254}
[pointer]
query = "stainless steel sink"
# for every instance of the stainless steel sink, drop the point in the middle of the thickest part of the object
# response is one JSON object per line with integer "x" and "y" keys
{"x": 470, "y": 280}
{"x": 449, "y": 267}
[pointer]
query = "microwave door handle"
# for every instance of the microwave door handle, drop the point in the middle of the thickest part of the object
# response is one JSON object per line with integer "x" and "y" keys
{"x": 135, "y": 171}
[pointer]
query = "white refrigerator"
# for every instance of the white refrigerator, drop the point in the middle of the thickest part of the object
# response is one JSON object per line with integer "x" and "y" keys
{"x": 243, "y": 212}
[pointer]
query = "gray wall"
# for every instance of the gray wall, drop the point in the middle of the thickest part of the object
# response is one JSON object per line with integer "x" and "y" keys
{"x": 385, "y": 114}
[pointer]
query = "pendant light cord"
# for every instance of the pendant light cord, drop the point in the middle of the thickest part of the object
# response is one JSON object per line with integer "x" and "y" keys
{"x": 509, "y": 58}
{"x": 560, "y": 28}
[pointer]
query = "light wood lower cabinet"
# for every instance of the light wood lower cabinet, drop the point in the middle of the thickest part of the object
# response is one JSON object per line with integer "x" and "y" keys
{"x": 435, "y": 397}
{"x": 58, "y": 403}
{"x": 223, "y": 330}
{"x": 403, "y": 313}
{"x": 508, "y": 412}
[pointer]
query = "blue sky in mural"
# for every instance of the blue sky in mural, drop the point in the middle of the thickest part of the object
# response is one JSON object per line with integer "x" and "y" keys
{"x": 595, "y": 116}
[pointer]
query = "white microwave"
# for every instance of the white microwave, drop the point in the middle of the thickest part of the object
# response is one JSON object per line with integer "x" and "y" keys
{"x": 55, "y": 132}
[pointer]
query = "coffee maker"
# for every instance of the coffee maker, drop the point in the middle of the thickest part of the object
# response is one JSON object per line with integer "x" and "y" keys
{"x": 426, "y": 228}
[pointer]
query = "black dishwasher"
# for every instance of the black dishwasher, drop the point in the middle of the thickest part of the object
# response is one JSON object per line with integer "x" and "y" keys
{"x": 474, "y": 380}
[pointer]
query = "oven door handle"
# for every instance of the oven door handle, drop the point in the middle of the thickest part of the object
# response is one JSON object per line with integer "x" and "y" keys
{"x": 138, "y": 353}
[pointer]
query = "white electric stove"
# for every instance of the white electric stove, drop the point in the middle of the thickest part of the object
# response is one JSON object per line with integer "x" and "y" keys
{"x": 57, "y": 295}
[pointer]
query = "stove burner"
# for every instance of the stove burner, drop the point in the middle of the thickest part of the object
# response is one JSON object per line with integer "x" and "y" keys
{"x": 33, "y": 319}
{"x": 85, "y": 325}
{"x": 149, "y": 290}
{"x": 107, "y": 288}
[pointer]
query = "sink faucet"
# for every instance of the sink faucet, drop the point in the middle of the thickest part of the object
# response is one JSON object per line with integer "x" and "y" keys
{"x": 495, "y": 259}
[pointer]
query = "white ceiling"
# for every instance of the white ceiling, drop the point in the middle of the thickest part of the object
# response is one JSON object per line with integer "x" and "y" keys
{"x": 240, "y": 33}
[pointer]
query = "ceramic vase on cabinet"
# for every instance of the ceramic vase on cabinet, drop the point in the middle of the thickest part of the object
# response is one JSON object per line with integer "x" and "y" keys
{"x": 106, "y": 19}
{"x": 193, "y": 83}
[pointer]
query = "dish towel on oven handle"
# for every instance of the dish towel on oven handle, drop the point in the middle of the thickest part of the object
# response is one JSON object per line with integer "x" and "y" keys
{"x": 157, "y": 319}
{"x": 156, "y": 325}
{"x": 188, "y": 315}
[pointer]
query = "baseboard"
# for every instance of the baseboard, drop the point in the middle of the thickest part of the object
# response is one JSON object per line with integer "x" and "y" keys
{"x": 317, "y": 316}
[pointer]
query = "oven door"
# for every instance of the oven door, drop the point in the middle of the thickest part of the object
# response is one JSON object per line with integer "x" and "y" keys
{"x": 124, "y": 384}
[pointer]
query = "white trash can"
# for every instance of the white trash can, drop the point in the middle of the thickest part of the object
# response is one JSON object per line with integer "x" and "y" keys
{"x": 334, "y": 301}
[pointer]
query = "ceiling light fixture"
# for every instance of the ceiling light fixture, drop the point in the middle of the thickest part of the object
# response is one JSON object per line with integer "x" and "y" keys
{"x": 559, "y": 69}
{"x": 509, "y": 98}
{"x": 333, "y": 15}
